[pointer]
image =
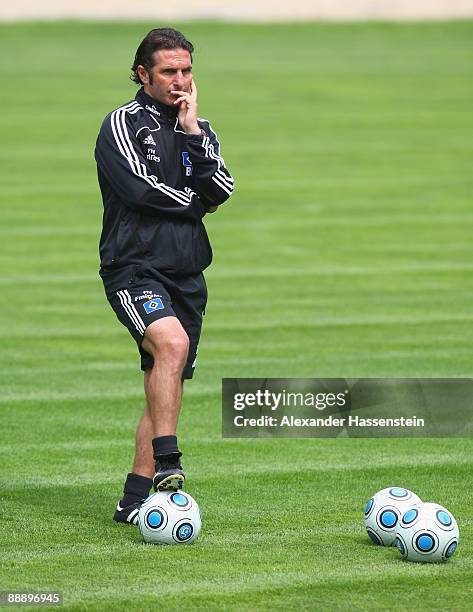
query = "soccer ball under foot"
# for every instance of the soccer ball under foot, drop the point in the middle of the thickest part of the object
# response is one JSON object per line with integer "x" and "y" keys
{"x": 169, "y": 517}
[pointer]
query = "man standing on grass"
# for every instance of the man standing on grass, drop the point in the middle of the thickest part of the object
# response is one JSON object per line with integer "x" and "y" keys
{"x": 160, "y": 171}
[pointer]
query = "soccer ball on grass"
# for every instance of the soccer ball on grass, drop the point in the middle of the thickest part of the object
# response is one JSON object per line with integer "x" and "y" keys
{"x": 383, "y": 512}
{"x": 427, "y": 533}
{"x": 169, "y": 517}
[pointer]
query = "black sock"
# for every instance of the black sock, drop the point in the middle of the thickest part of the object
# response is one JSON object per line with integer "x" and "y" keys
{"x": 164, "y": 445}
{"x": 136, "y": 489}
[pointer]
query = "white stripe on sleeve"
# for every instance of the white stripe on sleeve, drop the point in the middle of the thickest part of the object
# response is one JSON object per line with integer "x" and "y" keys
{"x": 221, "y": 185}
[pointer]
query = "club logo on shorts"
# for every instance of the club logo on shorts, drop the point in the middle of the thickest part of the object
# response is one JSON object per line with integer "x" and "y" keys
{"x": 146, "y": 295}
{"x": 152, "y": 305}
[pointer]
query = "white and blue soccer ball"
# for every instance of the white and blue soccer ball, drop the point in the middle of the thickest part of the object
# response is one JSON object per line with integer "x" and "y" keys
{"x": 383, "y": 512}
{"x": 427, "y": 533}
{"x": 169, "y": 517}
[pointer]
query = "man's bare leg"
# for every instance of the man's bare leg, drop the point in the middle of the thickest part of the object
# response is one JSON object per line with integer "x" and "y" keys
{"x": 168, "y": 343}
{"x": 140, "y": 480}
{"x": 144, "y": 462}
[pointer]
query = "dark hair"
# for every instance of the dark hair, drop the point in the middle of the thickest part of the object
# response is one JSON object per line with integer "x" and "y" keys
{"x": 159, "y": 38}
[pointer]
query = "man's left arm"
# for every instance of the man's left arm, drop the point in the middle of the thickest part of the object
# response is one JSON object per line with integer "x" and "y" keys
{"x": 211, "y": 179}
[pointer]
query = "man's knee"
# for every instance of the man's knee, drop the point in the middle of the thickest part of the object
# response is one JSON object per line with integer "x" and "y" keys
{"x": 167, "y": 339}
{"x": 175, "y": 347}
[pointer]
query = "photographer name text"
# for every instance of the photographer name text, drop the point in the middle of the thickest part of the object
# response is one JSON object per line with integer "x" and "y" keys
{"x": 330, "y": 421}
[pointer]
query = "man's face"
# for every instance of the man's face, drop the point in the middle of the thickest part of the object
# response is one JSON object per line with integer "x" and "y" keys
{"x": 172, "y": 70}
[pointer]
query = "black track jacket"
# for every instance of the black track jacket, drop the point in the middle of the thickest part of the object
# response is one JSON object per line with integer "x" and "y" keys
{"x": 157, "y": 183}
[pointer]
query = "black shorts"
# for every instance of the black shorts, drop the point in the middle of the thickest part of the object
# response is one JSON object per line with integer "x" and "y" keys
{"x": 140, "y": 295}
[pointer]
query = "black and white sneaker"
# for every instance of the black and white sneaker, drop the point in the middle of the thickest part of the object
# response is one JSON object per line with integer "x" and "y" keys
{"x": 169, "y": 475}
{"x": 127, "y": 514}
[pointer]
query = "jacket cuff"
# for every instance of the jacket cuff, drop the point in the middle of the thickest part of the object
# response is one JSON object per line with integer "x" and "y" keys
{"x": 197, "y": 138}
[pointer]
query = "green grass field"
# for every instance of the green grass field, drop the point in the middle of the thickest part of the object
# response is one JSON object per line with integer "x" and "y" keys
{"x": 346, "y": 251}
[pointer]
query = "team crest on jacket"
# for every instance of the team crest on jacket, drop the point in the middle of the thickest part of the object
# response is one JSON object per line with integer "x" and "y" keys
{"x": 186, "y": 162}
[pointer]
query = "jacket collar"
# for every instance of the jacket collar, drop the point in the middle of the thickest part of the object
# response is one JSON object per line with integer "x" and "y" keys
{"x": 155, "y": 107}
